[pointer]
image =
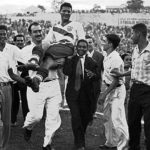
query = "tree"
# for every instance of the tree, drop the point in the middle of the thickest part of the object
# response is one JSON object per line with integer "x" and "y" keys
{"x": 135, "y": 5}
{"x": 56, "y": 5}
{"x": 42, "y": 8}
{"x": 96, "y": 8}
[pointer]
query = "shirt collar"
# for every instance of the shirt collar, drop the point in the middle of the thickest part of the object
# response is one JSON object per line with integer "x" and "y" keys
{"x": 82, "y": 56}
{"x": 113, "y": 53}
{"x": 90, "y": 54}
{"x": 147, "y": 48}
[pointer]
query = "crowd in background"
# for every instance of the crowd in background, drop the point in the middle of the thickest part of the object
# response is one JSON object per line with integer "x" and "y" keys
{"x": 125, "y": 47}
{"x": 21, "y": 27}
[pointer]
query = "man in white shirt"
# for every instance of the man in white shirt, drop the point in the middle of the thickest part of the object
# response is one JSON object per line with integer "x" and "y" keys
{"x": 58, "y": 44}
{"x": 9, "y": 55}
{"x": 19, "y": 89}
{"x": 116, "y": 129}
{"x": 49, "y": 95}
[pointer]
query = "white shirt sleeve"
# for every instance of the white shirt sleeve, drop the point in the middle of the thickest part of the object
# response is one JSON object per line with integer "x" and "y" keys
{"x": 18, "y": 55}
{"x": 115, "y": 65}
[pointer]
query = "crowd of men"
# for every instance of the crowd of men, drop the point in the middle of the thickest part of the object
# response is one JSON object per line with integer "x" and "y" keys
{"x": 89, "y": 57}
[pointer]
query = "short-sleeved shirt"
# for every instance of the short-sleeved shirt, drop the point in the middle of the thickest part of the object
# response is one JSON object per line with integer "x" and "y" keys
{"x": 112, "y": 61}
{"x": 71, "y": 32}
{"x": 141, "y": 65}
{"x": 5, "y": 64}
{"x": 27, "y": 52}
{"x": 14, "y": 54}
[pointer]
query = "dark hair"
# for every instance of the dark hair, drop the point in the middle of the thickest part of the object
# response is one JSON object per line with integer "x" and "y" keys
{"x": 19, "y": 35}
{"x": 82, "y": 40}
{"x": 65, "y": 5}
{"x": 114, "y": 39}
{"x": 124, "y": 55}
{"x": 140, "y": 27}
{"x": 88, "y": 37}
{"x": 32, "y": 24}
{"x": 3, "y": 27}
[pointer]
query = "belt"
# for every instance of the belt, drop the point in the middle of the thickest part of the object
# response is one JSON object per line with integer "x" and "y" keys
{"x": 109, "y": 84}
{"x": 116, "y": 86}
{"x": 4, "y": 84}
{"x": 48, "y": 80}
{"x": 138, "y": 82}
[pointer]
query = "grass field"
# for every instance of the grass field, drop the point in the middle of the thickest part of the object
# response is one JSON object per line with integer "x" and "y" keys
{"x": 63, "y": 140}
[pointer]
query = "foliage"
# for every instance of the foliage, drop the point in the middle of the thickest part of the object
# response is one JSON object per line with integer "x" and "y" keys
{"x": 135, "y": 5}
{"x": 42, "y": 8}
{"x": 56, "y": 5}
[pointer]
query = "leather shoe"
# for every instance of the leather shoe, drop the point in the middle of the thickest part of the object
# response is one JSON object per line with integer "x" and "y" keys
{"x": 27, "y": 134}
{"x": 105, "y": 147}
{"x": 81, "y": 148}
{"x": 48, "y": 147}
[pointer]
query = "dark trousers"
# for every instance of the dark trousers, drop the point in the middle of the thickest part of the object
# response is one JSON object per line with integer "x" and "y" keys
{"x": 81, "y": 115}
{"x": 16, "y": 101}
{"x": 5, "y": 110}
{"x": 139, "y": 105}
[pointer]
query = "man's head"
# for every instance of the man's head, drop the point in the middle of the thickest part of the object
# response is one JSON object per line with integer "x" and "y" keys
{"x": 111, "y": 42}
{"x": 82, "y": 47}
{"x": 35, "y": 31}
{"x": 90, "y": 43}
{"x": 65, "y": 11}
{"x": 19, "y": 40}
{"x": 139, "y": 31}
{"x": 126, "y": 58}
{"x": 3, "y": 34}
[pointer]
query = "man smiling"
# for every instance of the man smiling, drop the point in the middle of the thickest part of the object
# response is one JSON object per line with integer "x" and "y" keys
{"x": 58, "y": 44}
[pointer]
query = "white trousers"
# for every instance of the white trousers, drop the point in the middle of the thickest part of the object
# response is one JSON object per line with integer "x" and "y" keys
{"x": 116, "y": 128}
{"x": 49, "y": 96}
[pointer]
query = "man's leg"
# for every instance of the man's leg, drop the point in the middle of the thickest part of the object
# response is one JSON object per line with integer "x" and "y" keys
{"x": 134, "y": 118}
{"x": 77, "y": 128}
{"x": 23, "y": 92}
{"x": 119, "y": 118}
{"x": 146, "y": 113}
{"x": 6, "y": 95}
{"x": 15, "y": 103}
{"x": 36, "y": 102}
{"x": 53, "y": 120}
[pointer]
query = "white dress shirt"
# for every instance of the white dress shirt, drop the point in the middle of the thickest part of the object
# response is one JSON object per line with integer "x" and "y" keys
{"x": 113, "y": 61}
{"x": 90, "y": 54}
{"x": 4, "y": 66}
{"x": 14, "y": 54}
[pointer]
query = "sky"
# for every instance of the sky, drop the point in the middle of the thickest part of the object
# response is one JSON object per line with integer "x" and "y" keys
{"x": 15, "y": 6}
{"x": 77, "y": 4}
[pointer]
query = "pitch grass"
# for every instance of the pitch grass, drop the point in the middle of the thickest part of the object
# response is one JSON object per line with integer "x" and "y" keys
{"x": 63, "y": 139}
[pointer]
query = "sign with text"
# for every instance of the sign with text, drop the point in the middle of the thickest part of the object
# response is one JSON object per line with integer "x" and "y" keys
{"x": 133, "y": 21}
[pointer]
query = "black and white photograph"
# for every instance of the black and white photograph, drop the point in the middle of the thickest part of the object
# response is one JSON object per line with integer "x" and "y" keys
{"x": 75, "y": 75}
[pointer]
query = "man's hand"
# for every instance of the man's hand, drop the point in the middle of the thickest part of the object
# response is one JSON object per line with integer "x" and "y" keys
{"x": 101, "y": 98}
{"x": 116, "y": 73}
{"x": 25, "y": 67}
{"x": 89, "y": 73}
{"x": 60, "y": 61}
{"x": 15, "y": 77}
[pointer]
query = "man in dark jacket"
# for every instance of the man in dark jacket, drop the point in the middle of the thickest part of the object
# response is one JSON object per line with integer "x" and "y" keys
{"x": 82, "y": 72}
